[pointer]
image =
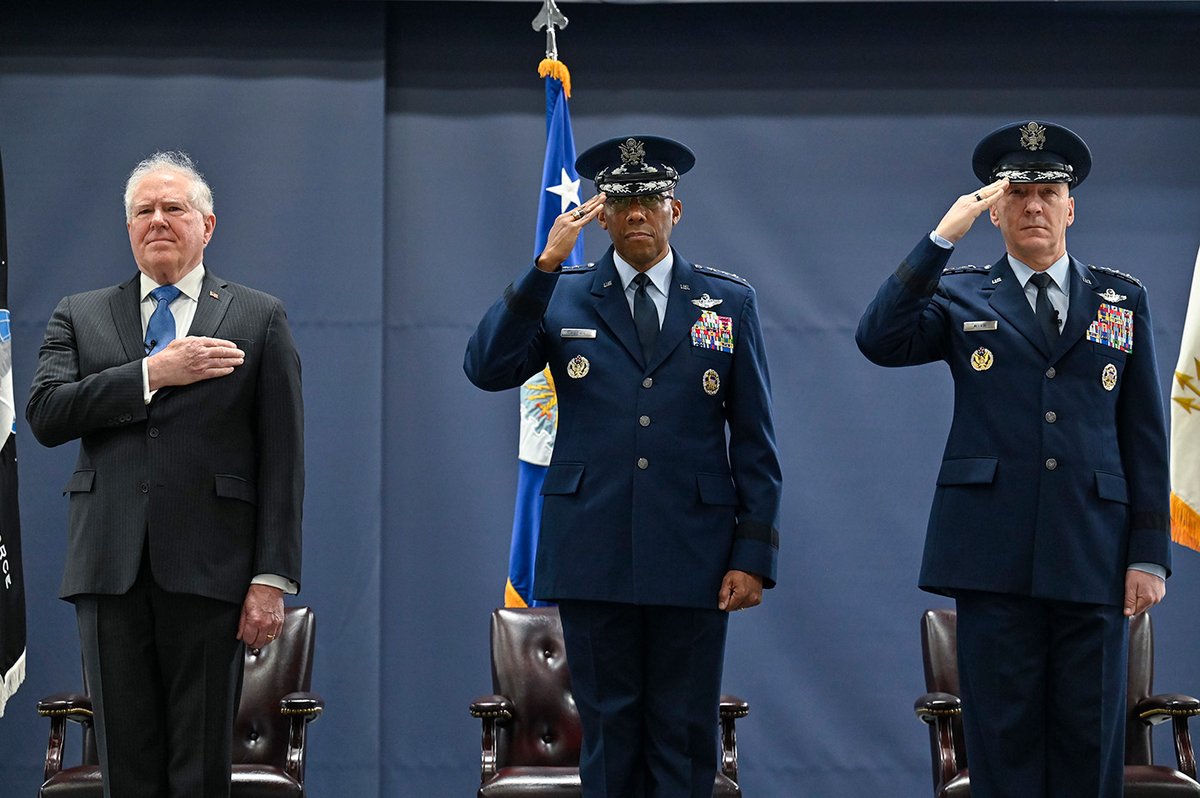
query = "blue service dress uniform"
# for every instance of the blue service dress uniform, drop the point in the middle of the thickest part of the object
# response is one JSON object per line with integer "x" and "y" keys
{"x": 1054, "y": 477}
{"x": 665, "y": 473}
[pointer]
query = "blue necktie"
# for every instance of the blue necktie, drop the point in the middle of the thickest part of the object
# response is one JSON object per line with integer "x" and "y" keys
{"x": 161, "y": 329}
{"x": 645, "y": 316}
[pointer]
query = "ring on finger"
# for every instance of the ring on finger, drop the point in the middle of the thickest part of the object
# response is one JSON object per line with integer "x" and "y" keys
{"x": 978, "y": 198}
{"x": 577, "y": 214}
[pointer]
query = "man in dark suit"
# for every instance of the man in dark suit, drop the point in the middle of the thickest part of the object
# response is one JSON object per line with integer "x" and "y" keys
{"x": 653, "y": 528}
{"x": 1050, "y": 521}
{"x": 183, "y": 390}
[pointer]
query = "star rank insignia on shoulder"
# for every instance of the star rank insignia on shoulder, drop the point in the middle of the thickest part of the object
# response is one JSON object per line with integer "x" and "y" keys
{"x": 709, "y": 270}
{"x": 1115, "y": 273}
{"x": 578, "y": 268}
{"x": 969, "y": 268}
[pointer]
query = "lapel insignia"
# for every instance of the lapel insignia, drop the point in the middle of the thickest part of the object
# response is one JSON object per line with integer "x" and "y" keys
{"x": 1110, "y": 295}
{"x": 706, "y": 302}
{"x": 713, "y": 332}
{"x": 607, "y": 284}
{"x": 998, "y": 279}
{"x": 981, "y": 359}
{"x": 711, "y": 382}
{"x": 578, "y": 367}
{"x": 1108, "y": 377}
{"x": 213, "y": 294}
{"x": 1113, "y": 327}
{"x": 684, "y": 287}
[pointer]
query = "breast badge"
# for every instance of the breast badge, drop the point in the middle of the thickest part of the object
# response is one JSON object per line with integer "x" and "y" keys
{"x": 1108, "y": 377}
{"x": 713, "y": 332}
{"x": 711, "y": 382}
{"x": 1113, "y": 327}
{"x": 706, "y": 302}
{"x": 1112, "y": 296}
{"x": 578, "y": 367}
{"x": 981, "y": 359}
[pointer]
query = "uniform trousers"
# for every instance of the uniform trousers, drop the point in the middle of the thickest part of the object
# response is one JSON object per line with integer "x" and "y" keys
{"x": 647, "y": 683}
{"x": 1043, "y": 686}
{"x": 164, "y": 673}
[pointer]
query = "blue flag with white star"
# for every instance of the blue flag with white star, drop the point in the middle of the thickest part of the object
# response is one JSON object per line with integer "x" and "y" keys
{"x": 539, "y": 403}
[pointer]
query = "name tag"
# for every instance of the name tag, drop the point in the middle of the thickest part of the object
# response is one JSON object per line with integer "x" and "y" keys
{"x": 979, "y": 326}
{"x": 577, "y": 332}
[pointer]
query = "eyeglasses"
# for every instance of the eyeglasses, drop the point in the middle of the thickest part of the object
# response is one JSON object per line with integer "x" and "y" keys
{"x": 651, "y": 202}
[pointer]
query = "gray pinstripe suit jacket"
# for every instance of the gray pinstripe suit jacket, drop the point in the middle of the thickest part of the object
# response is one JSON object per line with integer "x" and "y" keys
{"x": 213, "y": 472}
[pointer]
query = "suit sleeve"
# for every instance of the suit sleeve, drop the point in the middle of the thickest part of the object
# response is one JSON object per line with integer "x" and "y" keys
{"x": 63, "y": 405}
{"x": 506, "y": 348}
{"x": 1142, "y": 435}
{"x": 280, "y": 414}
{"x": 905, "y": 324}
{"x": 753, "y": 456}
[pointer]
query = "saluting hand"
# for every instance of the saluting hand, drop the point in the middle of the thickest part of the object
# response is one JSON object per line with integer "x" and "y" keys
{"x": 565, "y": 232}
{"x": 966, "y": 209}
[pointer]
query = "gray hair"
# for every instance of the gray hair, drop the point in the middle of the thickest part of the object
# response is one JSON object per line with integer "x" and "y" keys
{"x": 199, "y": 195}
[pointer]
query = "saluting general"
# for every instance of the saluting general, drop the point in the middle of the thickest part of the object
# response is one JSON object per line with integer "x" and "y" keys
{"x": 1050, "y": 520}
{"x": 661, "y": 508}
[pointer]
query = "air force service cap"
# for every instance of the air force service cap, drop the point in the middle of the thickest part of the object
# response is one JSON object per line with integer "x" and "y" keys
{"x": 1032, "y": 152}
{"x": 633, "y": 166}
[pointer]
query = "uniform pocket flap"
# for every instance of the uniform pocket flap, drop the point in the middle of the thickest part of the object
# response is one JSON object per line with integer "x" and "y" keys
{"x": 1112, "y": 487}
{"x": 80, "y": 482}
{"x": 968, "y": 471}
{"x": 233, "y": 487}
{"x": 562, "y": 479}
{"x": 716, "y": 489}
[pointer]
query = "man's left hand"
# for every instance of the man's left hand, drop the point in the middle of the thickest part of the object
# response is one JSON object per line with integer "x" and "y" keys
{"x": 262, "y": 616}
{"x": 740, "y": 590}
{"x": 1142, "y": 591}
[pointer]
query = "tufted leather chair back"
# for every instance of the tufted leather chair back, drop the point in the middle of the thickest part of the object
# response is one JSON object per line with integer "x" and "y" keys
{"x": 260, "y": 733}
{"x": 529, "y": 666}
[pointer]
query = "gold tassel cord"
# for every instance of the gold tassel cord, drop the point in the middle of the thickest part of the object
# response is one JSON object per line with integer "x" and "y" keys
{"x": 1185, "y": 523}
{"x": 553, "y": 68}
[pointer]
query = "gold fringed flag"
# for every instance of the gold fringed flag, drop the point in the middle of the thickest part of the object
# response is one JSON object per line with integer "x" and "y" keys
{"x": 1185, "y": 427}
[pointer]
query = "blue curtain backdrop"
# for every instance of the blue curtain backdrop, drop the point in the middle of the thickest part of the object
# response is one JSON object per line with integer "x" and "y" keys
{"x": 377, "y": 166}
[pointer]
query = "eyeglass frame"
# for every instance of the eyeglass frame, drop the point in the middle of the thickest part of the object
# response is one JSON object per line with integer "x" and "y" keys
{"x": 621, "y": 204}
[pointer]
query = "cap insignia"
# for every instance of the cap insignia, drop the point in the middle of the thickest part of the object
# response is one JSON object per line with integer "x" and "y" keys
{"x": 1033, "y": 136}
{"x": 632, "y": 151}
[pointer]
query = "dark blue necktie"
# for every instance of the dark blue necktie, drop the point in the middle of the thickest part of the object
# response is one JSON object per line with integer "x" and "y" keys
{"x": 1046, "y": 315}
{"x": 161, "y": 329}
{"x": 645, "y": 316}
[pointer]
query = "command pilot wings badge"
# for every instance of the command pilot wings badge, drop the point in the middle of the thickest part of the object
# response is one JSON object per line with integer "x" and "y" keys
{"x": 706, "y": 302}
{"x": 1112, "y": 296}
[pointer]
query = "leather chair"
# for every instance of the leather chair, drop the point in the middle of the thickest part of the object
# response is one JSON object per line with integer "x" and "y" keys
{"x": 531, "y": 730}
{"x": 941, "y": 709}
{"x": 268, "y": 734}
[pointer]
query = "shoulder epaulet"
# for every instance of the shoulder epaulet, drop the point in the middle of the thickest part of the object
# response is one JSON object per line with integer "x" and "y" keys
{"x": 1115, "y": 273}
{"x": 969, "y": 268}
{"x": 709, "y": 270}
{"x": 578, "y": 268}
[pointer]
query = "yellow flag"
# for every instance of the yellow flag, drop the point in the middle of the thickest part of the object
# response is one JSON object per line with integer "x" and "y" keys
{"x": 1185, "y": 427}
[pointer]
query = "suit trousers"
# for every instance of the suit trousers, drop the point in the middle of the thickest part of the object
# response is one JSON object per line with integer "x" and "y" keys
{"x": 647, "y": 683}
{"x": 1043, "y": 686}
{"x": 164, "y": 672}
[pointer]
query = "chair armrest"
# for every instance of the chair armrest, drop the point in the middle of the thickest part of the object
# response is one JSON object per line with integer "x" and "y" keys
{"x": 932, "y": 706}
{"x": 730, "y": 709}
{"x": 301, "y": 709}
{"x": 1176, "y": 708}
{"x": 939, "y": 711}
{"x": 72, "y": 706}
{"x": 733, "y": 707}
{"x": 492, "y": 706}
{"x": 493, "y": 710}
{"x": 307, "y": 706}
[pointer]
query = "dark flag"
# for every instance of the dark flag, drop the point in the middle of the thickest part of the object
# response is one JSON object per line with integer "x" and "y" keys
{"x": 12, "y": 582}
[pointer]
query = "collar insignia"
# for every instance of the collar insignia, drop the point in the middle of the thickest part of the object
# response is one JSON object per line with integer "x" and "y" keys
{"x": 707, "y": 302}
